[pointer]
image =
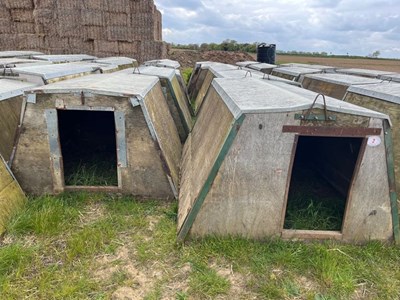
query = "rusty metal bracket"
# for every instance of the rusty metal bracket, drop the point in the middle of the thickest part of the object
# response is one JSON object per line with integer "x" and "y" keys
{"x": 311, "y": 117}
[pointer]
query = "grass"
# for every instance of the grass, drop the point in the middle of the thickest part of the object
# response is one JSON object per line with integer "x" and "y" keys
{"x": 95, "y": 246}
{"x": 97, "y": 173}
{"x": 186, "y": 73}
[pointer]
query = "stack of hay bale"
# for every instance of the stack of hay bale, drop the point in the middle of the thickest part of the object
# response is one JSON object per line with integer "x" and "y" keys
{"x": 101, "y": 28}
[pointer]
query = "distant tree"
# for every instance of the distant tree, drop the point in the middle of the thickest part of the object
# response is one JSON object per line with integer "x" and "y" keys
{"x": 375, "y": 54}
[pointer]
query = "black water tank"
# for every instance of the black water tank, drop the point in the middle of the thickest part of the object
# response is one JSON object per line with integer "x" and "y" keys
{"x": 266, "y": 53}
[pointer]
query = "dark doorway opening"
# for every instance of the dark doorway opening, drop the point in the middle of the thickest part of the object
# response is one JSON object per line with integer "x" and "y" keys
{"x": 322, "y": 174}
{"x": 88, "y": 146}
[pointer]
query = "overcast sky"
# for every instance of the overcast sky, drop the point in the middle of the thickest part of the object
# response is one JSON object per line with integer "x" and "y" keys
{"x": 357, "y": 27}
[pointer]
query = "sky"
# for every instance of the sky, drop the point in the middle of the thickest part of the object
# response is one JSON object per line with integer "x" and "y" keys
{"x": 358, "y": 27}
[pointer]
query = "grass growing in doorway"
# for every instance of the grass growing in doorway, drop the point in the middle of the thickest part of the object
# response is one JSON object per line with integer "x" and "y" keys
{"x": 99, "y": 246}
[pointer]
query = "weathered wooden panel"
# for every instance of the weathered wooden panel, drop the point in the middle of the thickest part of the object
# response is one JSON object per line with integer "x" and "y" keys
{"x": 167, "y": 134}
{"x": 247, "y": 197}
{"x": 282, "y": 75}
{"x": 201, "y": 150}
{"x": 327, "y": 88}
{"x": 369, "y": 212}
{"x": 145, "y": 175}
{"x": 391, "y": 109}
{"x": 10, "y": 111}
{"x": 196, "y": 82}
{"x": 12, "y": 197}
{"x": 203, "y": 91}
{"x": 183, "y": 103}
{"x": 174, "y": 108}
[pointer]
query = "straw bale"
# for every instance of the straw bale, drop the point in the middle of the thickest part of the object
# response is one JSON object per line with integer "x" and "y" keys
{"x": 24, "y": 27}
{"x": 44, "y": 16}
{"x": 68, "y": 5}
{"x": 101, "y": 5}
{"x": 22, "y": 15}
{"x": 28, "y": 41}
{"x": 5, "y": 26}
{"x": 4, "y": 12}
{"x": 117, "y": 19}
{"x": 26, "y": 4}
{"x": 118, "y": 6}
{"x": 128, "y": 48}
{"x": 120, "y": 33}
{"x": 94, "y": 33}
{"x": 41, "y": 4}
{"x": 81, "y": 45}
{"x": 92, "y": 17}
{"x": 106, "y": 46}
{"x": 141, "y": 6}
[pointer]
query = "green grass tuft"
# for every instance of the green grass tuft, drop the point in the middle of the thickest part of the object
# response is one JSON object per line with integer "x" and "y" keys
{"x": 186, "y": 73}
{"x": 47, "y": 215}
{"x": 206, "y": 282}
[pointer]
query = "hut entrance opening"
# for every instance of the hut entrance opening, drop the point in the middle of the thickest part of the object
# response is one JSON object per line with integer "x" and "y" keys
{"x": 88, "y": 146}
{"x": 321, "y": 180}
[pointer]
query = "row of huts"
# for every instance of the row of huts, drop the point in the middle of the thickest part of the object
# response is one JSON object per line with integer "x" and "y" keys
{"x": 237, "y": 147}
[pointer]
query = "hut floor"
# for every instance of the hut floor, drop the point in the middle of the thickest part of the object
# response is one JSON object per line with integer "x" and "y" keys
{"x": 313, "y": 204}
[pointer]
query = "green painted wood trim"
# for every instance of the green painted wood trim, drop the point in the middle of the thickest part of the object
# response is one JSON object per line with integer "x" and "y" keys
{"x": 392, "y": 180}
{"x": 191, "y": 217}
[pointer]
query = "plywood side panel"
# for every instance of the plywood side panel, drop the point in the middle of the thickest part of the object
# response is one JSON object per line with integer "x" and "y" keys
{"x": 31, "y": 165}
{"x": 167, "y": 134}
{"x": 203, "y": 91}
{"x": 173, "y": 108}
{"x": 327, "y": 88}
{"x": 248, "y": 194}
{"x": 196, "y": 82}
{"x": 369, "y": 212}
{"x": 391, "y": 109}
{"x": 183, "y": 103}
{"x": 10, "y": 111}
{"x": 11, "y": 200}
{"x": 201, "y": 150}
{"x": 282, "y": 75}
{"x": 145, "y": 175}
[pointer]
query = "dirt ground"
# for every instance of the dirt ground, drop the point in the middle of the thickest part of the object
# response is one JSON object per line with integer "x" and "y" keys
{"x": 188, "y": 58}
{"x": 363, "y": 63}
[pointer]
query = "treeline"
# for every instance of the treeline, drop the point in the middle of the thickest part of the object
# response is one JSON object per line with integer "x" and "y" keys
{"x": 226, "y": 45}
{"x": 232, "y": 45}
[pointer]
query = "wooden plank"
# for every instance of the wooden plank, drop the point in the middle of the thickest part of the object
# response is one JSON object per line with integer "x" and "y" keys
{"x": 311, "y": 235}
{"x": 326, "y": 88}
{"x": 391, "y": 109}
{"x": 5, "y": 176}
{"x": 203, "y": 91}
{"x": 368, "y": 215}
{"x": 166, "y": 133}
{"x": 330, "y": 131}
{"x": 202, "y": 149}
{"x": 10, "y": 111}
{"x": 247, "y": 196}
